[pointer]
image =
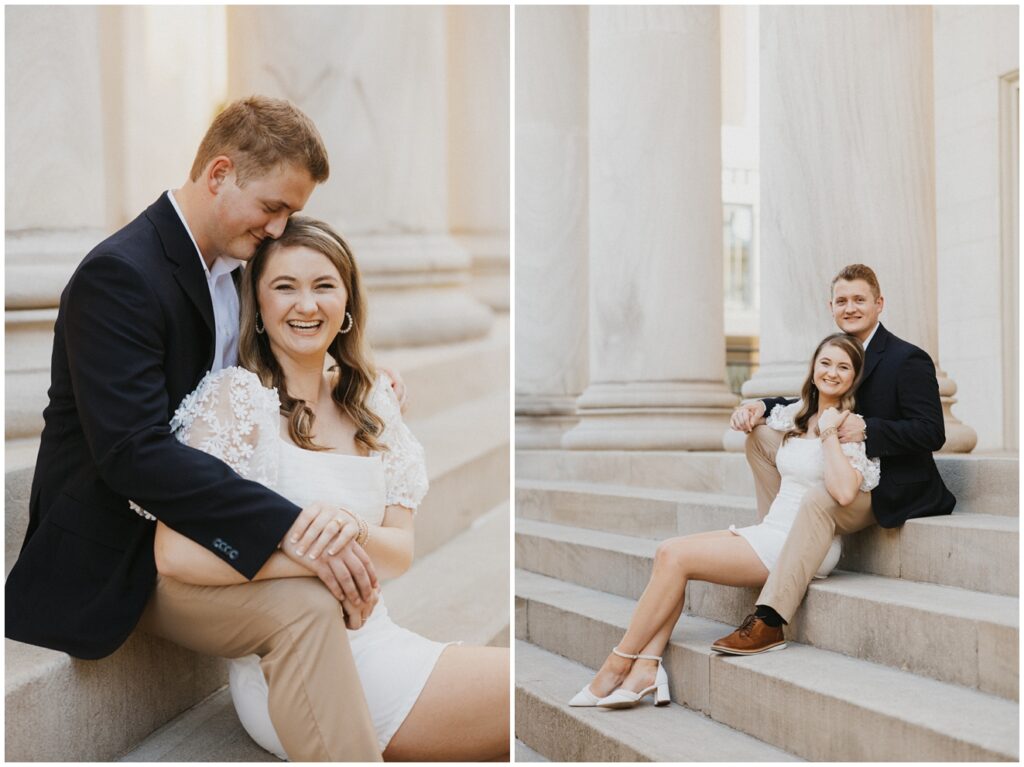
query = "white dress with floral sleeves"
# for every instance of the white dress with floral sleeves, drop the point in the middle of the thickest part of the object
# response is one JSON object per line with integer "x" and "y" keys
{"x": 232, "y": 416}
{"x": 801, "y": 464}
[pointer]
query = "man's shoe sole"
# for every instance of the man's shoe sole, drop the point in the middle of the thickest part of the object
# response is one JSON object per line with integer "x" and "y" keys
{"x": 730, "y": 651}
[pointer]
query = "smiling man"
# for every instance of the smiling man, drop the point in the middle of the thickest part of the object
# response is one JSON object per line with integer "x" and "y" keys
{"x": 146, "y": 314}
{"x": 899, "y": 417}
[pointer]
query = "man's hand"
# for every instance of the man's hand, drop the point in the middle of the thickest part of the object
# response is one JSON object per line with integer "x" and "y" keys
{"x": 852, "y": 429}
{"x": 746, "y": 417}
{"x": 398, "y": 387}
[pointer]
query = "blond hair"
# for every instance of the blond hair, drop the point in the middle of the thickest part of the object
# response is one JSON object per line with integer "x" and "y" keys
{"x": 259, "y": 133}
{"x": 858, "y": 272}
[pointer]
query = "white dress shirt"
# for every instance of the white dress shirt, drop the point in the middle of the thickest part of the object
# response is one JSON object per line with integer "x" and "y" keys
{"x": 875, "y": 330}
{"x": 224, "y": 298}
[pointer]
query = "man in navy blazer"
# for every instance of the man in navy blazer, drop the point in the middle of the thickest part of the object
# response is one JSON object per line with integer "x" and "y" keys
{"x": 146, "y": 314}
{"x": 899, "y": 418}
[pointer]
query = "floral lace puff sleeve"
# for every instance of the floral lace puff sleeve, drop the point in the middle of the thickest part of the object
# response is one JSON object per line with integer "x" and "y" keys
{"x": 233, "y": 417}
{"x": 781, "y": 417}
{"x": 405, "y": 469}
{"x": 870, "y": 468}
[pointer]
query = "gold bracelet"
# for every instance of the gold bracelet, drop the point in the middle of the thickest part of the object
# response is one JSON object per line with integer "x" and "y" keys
{"x": 829, "y": 432}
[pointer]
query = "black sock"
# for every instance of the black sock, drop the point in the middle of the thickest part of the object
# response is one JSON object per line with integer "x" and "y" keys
{"x": 769, "y": 616}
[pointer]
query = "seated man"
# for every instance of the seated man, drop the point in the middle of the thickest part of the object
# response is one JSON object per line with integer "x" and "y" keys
{"x": 900, "y": 420}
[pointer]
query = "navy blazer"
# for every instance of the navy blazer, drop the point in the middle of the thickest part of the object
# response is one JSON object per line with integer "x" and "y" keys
{"x": 898, "y": 397}
{"x": 134, "y": 335}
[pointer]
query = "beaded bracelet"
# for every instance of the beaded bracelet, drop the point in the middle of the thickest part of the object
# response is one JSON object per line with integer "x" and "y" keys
{"x": 829, "y": 432}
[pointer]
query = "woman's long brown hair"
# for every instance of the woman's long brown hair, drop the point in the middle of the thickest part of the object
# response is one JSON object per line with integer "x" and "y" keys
{"x": 356, "y": 375}
{"x": 809, "y": 392}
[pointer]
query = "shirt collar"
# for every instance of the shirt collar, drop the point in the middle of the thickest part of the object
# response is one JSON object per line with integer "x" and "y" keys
{"x": 222, "y": 264}
{"x": 865, "y": 344}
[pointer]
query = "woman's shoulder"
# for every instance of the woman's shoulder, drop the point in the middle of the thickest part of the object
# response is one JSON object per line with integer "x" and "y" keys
{"x": 232, "y": 388}
{"x": 782, "y": 416}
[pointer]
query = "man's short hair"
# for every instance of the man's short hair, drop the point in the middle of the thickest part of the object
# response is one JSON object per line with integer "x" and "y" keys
{"x": 259, "y": 133}
{"x": 857, "y": 272}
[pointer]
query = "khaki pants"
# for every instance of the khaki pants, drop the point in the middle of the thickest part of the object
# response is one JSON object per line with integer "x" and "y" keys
{"x": 819, "y": 519}
{"x": 298, "y": 630}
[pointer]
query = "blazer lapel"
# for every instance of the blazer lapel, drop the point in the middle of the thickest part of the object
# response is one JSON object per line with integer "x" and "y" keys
{"x": 179, "y": 249}
{"x": 875, "y": 351}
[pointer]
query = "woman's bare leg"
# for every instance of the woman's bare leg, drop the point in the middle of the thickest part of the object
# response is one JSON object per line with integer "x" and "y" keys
{"x": 717, "y": 557}
{"x": 462, "y": 715}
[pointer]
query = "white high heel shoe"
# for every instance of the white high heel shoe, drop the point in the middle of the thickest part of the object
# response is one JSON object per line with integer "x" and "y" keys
{"x": 585, "y": 697}
{"x": 623, "y": 698}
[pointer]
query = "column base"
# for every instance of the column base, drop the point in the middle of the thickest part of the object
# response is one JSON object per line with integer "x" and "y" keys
{"x": 542, "y": 421}
{"x": 652, "y": 416}
{"x": 419, "y": 288}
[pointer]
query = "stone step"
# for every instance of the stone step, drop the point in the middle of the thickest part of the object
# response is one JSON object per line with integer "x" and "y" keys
{"x": 965, "y": 637}
{"x": 441, "y": 377}
{"x": 971, "y": 551}
{"x": 467, "y": 451}
{"x": 545, "y": 681}
{"x": 468, "y": 581}
{"x": 816, "y": 704}
{"x": 94, "y": 710}
{"x": 62, "y": 709}
{"x": 526, "y": 754}
{"x": 982, "y": 484}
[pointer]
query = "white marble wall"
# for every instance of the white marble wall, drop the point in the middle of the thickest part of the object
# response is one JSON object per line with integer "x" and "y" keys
{"x": 975, "y": 47}
{"x": 58, "y": 202}
{"x": 378, "y": 92}
{"x": 106, "y": 105}
{"x": 478, "y": 144}
{"x": 848, "y": 175}
{"x": 657, "y": 354}
{"x": 551, "y": 220}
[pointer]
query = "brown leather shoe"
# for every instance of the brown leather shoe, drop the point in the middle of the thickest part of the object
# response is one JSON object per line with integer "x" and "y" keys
{"x": 753, "y": 636}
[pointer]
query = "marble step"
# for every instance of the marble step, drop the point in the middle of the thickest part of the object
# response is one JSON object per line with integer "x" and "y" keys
{"x": 441, "y": 377}
{"x": 545, "y": 681}
{"x": 526, "y": 754}
{"x": 62, "y": 709}
{"x": 959, "y": 636}
{"x": 467, "y": 451}
{"x": 437, "y": 377}
{"x": 971, "y": 551}
{"x": 816, "y": 704}
{"x": 982, "y": 484}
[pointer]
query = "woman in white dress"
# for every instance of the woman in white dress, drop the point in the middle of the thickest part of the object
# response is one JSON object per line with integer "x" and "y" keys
{"x": 811, "y": 454}
{"x": 335, "y": 436}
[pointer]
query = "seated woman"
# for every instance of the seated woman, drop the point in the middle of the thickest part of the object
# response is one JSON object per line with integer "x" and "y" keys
{"x": 811, "y": 455}
{"x": 337, "y": 436}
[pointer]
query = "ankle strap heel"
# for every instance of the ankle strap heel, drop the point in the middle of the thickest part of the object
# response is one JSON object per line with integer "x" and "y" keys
{"x": 626, "y": 655}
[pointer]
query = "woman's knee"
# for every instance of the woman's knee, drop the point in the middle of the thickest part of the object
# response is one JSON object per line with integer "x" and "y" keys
{"x": 672, "y": 554}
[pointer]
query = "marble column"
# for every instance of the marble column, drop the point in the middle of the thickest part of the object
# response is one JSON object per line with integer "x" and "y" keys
{"x": 57, "y": 191}
{"x": 657, "y": 349}
{"x": 478, "y": 140}
{"x": 848, "y": 175}
{"x": 551, "y": 221}
{"x": 375, "y": 81}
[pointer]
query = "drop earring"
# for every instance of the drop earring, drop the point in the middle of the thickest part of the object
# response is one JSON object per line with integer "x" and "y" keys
{"x": 351, "y": 322}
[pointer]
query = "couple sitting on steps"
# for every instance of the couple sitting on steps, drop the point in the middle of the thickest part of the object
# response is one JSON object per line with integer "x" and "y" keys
{"x": 202, "y": 473}
{"x": 854, "y": 449}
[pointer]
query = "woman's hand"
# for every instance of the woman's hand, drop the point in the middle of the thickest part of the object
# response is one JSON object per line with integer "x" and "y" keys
{"x": 357, "y": 615}
{"x": 322, "y": 526}
{"x": 831, "y": 417}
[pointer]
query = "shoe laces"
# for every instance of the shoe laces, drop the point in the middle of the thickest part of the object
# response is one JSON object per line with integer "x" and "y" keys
{"x": 747, "y": 626}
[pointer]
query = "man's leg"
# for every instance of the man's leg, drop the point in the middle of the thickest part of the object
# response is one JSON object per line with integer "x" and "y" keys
{"x": 816, "y": 524}
{"x": 761, "y": 447}
{"x": 298, "y": 630}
